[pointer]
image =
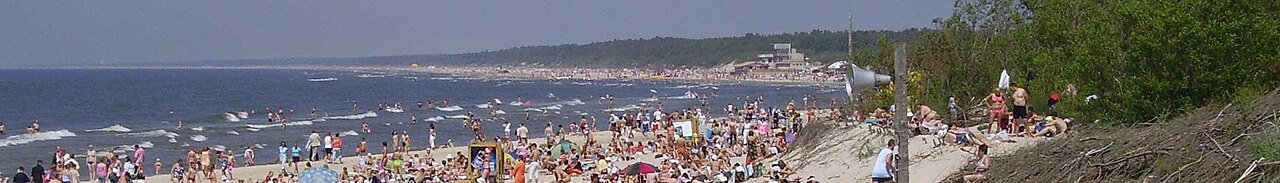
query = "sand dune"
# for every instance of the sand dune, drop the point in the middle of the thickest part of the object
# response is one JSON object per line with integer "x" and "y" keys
{"x": 837, "y": 154}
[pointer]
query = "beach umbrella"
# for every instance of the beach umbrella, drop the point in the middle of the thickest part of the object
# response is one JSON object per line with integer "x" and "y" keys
{"x": 565, "y": 146}
{"x": 640, "y": 168}
{"x": 509, "y": 157}
{"x": 318, "y": 175}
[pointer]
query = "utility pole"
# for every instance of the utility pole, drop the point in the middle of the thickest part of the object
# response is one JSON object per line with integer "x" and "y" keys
{"x": 852, "y": 97}
{"x": 900, "y": 66}
{"x": 850, "y": 32}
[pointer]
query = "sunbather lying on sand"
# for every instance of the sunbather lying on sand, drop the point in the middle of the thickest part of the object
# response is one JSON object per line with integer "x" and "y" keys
{"x": 1052, "y": 125}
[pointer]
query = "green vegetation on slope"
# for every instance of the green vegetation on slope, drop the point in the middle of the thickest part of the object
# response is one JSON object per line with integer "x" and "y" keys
{"x": 1144, "y": 59}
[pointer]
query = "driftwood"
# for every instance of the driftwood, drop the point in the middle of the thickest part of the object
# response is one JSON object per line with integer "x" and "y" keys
{"x": 1130, "y": 157}
{"x": 1269, "y": 163}
{"x": 1100, "y": 150}
{"x": 1233, "y": 140}
{"x": 1224, "y": 109}
{"x": 1166, "y": 178}
{"x": 1220, "y": 149}
{"x": 1249, "y": 170}
{"x": 1071, "y": 166}
{"x": 1088, "y": 139}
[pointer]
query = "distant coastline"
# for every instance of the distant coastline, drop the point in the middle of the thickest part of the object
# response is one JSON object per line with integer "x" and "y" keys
{"x": 692, "y": 76}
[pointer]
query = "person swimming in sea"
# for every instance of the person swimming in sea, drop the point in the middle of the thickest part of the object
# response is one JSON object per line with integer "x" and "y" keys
{"x": 365, "y": 126}
{"x": 34, "y": 128}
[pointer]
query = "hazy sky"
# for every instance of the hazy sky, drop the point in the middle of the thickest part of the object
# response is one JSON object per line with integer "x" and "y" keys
{"x": 84, "y": 32}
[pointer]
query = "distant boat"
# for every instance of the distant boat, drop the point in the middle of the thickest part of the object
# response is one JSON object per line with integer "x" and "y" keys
{"x": 322, "y": 79}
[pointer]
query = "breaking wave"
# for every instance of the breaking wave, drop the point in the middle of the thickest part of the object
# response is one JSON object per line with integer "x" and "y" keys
{"x": 369, "y": 114}
{"x": 348, "y": 133}
{"x": 34, "y": 137}
{"x": 449, "y": 109}
{"x": 199, "y": 138}
{"x": 112, "y": 128}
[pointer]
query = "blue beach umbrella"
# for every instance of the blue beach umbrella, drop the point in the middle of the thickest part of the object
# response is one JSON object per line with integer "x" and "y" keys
{"x": 318, "y": 175}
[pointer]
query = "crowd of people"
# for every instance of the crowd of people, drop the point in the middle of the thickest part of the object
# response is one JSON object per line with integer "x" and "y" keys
{"x": 727, "y": 149}
{"x": 100, "y": 167}
{"x": 1004, "y": 123}
{"x": 685, "y": 145}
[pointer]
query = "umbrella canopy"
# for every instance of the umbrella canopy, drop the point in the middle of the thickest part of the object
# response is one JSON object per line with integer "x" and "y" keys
{"x": 640, "y": 168}
{"x": 565, "y": 146}
{"x": 318, "y": 175}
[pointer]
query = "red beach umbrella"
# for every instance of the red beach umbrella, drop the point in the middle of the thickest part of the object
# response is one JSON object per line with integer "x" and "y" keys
{"x": 640, "y": 168}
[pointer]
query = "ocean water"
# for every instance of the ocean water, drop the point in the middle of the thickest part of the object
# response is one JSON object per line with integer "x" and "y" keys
{"x": 115, "y": 109}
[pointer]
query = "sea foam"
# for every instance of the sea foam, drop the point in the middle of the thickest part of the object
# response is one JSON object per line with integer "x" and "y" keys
{"x": 450, "y": 108}
{"x": 34, "y": 137}
{"x": 369, "y": 114}
{"x": 112, "y": 128}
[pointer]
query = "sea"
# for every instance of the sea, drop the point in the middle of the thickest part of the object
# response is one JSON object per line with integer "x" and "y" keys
{"x": 226, "y": 109}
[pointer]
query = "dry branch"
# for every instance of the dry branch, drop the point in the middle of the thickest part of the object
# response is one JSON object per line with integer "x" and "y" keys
{"x": 1166, "y": 178}
{"x": 1269, "y": 163}
{"x": 1249, "y": 170}
{"x": 1128, "y": 158}
{"x": 1099, "y": 150}
{"x": 1233, "y": 140}
{"x": 1220, "y": 149}
{"x": 1224, "y": 109}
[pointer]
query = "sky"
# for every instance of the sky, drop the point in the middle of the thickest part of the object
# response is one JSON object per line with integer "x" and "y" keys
{"x": 84, "y": 33}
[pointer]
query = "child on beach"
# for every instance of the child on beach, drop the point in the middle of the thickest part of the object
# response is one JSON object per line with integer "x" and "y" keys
{"x": 158, "y": 166}
{"x": 248, "y": 155}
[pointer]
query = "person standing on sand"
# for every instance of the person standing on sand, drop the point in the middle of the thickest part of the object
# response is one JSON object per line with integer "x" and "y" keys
{"x": 284, "y": 159}
{"x": 1020, "y": 113}
{"x": 882, "y": 169}
{"x": 431, "y": 138}
{"x": 21, "y": 177}
{"x": 506, "y": 129}
{"x": 548, "y": 132}
{"x": 531, "y": 170}
{"x": 248, "y": 155}
{"x": 313, "y": 145}
{"x": 517, "y": 172}
{"x": 328, "y": 147}
{"x": 90, "y": 158}
{"x": 297, "y": 157}
{"x": 995, "y": 101}
{"x": 138, "y": 154}
{"x": 522, "y": 132}
{"x": 176, "y": 173}
{"x": 337, "y": 148}
{"x": 206, "y": 157}
{"x": 37, "y": 172}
